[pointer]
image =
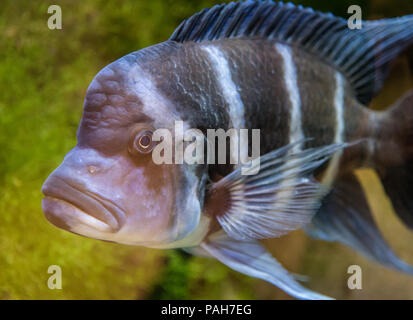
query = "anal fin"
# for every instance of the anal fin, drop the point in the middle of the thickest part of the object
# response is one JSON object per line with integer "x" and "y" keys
{"x": 345, "y": 217}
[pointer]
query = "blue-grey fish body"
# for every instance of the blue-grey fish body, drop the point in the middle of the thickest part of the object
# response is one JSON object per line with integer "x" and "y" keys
{"x": 301, "y": 77}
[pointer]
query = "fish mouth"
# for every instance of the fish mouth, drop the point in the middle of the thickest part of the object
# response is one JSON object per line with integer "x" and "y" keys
{"x": 69, "y": 207}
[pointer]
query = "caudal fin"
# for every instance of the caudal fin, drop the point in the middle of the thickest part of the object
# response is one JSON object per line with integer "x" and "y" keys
{"x": 394, "y": 156}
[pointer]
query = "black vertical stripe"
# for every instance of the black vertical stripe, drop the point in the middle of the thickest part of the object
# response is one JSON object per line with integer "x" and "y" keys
{"x": 257, "y": 71}
{"x": 317, "y": 85}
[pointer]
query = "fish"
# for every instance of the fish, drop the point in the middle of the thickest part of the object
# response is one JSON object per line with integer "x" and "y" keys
{"x": 301, "y": 77}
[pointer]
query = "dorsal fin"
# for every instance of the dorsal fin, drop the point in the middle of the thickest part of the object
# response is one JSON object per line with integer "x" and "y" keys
{"x": 362, "y": 55}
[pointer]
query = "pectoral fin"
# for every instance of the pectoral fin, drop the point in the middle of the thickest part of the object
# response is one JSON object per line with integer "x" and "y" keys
{"x": 250, "y": 258}
{"x": 281, "y": 197}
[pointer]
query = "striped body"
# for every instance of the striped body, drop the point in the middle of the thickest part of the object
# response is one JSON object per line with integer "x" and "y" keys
{"x": 259, "y": 84}
{"x": 288, "y": 94}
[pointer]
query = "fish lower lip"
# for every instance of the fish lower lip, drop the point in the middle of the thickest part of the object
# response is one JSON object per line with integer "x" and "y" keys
{"x": 101, "y": 212}
{"x": 66, "y": 216}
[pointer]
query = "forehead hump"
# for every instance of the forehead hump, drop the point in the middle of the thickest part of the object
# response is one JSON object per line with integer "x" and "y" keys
{"x": 111, "y": 87}
{"x": 111, "y": 99}
{"x": 127, "y": 88}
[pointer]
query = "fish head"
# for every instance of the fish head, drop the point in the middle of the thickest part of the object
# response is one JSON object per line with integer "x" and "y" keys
{"x": 108, "y": 187}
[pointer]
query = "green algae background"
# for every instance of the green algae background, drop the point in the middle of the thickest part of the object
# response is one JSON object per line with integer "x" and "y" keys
{"x": 43, "y": 78}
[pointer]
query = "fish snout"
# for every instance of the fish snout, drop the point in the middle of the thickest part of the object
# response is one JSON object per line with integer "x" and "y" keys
{"x": 70, "y": 206}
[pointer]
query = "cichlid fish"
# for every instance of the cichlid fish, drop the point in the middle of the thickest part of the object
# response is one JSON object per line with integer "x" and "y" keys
{"x": 300, "y": 76}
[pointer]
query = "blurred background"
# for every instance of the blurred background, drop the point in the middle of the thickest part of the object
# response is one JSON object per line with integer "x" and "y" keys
{"x": 43, "y": 78}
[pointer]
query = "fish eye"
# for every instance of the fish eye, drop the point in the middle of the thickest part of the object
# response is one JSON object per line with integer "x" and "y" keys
{"x": 142, "y": 143}
{"x": 145, "y": 141}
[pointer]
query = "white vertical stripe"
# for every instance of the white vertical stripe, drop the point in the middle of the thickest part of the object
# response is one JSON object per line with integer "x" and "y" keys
{"x": 222, "y": 70}
{"x": 333, "y": 166}
{"x": 296, "y": 131}
{"x": 154, "y": 103}
{"x": 290, "y": 78}
{"x": 339, "y": 105}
